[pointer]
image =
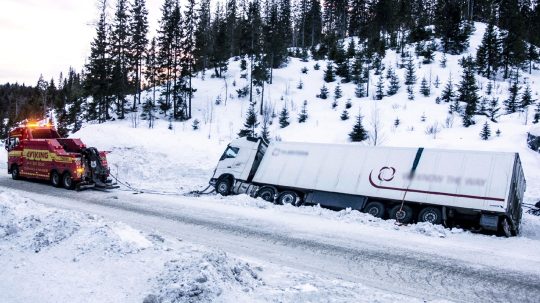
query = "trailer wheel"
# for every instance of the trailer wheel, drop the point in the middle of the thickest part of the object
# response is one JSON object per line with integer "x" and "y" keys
{"x": 376, "y": 209}
{"x": 267, "y": 194}
{"x": 223, "y": 187}
{"x": 67, "y": 181}
{"x": 288, "y": 197}
{"x": 505, "y": 229}
{"x": 15, "y": 173}
{"x": 431, "y": 215}
{"x": 55, "y": 178}
{"x": 404, "y": 216}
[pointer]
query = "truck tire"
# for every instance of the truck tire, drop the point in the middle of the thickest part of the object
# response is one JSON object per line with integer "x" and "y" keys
{"x": 505, "y": 229}
{"x": 404, "y": 216}
{"x": 223, "y": 186}
{"x": 431, "y": 215}
{"x": 376, "y": 209}
{"x": 288, "y": 197}
{"x": 267, "y": 194}
{"x": 56, "y": 179}
{"x": 67, "y": 181}
{"x": 15, "y": 173}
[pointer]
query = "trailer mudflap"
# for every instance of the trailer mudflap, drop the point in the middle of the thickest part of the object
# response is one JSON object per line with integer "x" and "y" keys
{"x": 489, "y": 222}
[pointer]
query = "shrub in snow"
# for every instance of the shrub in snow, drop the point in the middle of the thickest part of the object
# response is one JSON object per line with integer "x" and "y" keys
{"x": 242, "y": 92}
{"x": 437, "y": 82}
{"x": 410, "y": 92}
{"x": 337, "y": 92}
{"x": 498, "y": 132}
{"x": 316, "y": 66}
{"x": 536, "y": 118}
{"x": 334, "y": 104}
{"x": 443, "y": 61}
{"x": 424, "y": 88}
{"x": 302, "y": 117}
{"x": 348, "y": 104}
{"x": 195, "y": 124}
{"x": 423, "y": 117}
{"x": 433, "y": 130}
{"x": 396, "y": 122}
{"x": 486, "y": 132}
{"x": 300, "y": 85}
{"x": 344, "y": 115}
{"x": 218, "y": 100}
{"x": 304, "y": 70}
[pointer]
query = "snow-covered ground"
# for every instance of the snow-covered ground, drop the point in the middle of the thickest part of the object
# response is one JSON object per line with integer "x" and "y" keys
{"x": 83, "y": 257}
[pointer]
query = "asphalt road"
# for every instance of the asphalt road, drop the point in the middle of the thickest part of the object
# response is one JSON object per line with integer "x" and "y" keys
{"x": 402, "y": 271}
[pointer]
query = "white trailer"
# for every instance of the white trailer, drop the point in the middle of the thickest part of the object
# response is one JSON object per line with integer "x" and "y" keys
{"x": 482, "y": 190}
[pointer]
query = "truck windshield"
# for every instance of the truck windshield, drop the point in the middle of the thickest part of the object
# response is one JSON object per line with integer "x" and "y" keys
{"x": 230, "y": 152}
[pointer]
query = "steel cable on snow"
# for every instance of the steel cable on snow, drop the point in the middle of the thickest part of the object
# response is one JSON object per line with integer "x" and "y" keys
{"x": 164, "y": 193}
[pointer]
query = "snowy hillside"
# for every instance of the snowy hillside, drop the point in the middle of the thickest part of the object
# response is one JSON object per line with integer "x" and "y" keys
{"x": 183, "y": 159}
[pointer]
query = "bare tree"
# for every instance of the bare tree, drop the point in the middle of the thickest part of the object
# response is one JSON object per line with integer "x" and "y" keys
{"x": 376, "y": 134}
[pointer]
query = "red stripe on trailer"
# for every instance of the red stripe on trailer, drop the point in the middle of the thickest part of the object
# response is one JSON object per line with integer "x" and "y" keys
{"x": 432, "y": 192}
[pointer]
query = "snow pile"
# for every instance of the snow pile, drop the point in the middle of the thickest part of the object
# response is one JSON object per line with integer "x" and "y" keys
{"x": 212, "y": 277}
{"x": 535, "y": 131}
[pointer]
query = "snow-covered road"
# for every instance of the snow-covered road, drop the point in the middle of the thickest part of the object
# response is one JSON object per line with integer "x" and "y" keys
{"x": 456, "y": 267}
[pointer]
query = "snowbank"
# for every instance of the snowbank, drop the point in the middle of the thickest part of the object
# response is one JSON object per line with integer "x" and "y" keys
{"x": 535, "y": 131}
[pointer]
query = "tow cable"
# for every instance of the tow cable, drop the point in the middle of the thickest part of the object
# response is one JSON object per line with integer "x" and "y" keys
{"x": 194, "y": 193}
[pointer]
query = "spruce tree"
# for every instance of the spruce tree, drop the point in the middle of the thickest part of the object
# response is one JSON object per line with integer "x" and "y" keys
{"x": 424, "y": 88}
{"x": 121, "y": 51}
{"x": 448, "y": 94}
{"x": 138, "y": 29}
{"x": 329, "y": 73}
{"x": 493, "y": 110}
{"x": 486, "y": 132}
{"x": 437, "y": 82}
{"x": 526, "y": 97}
{"x": 379, "y": 92}
{"x": 511, "y": 104}
{"x": 251, "y": 123}
{"x": 360, "y": 91}
{"x": 410, "y": 73}
{"x": 468, "y": 92}
{"x": 302, "y": 117}
{"x": 410, "y": 92}
{"x": 536, "y": 118}
{"x": 358, "y": 133}
{"x": 394, "y": 84}
{"x": 489, "y": 53}
{"x": 338, "y": 92}
{"x": 324, "y": 92}
{"x": 284, "y": 118}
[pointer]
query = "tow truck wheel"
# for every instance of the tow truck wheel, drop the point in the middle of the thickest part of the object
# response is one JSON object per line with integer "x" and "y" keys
{"x": 15, "y": 173}
{"x": 67, "y": 181}
{"x": 223, "y": 187}
{"x": 376, "y": 209}
{"x": 288, "y": 197}
{"x": 55, "y": 178}
{"x": 430, "y": 214}
{"x": 404, "y": 216}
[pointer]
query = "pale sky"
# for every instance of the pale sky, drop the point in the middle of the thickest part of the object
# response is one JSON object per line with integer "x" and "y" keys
{"x": 48, "y": 36}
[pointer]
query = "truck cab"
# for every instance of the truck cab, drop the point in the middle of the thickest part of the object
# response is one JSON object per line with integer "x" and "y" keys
{"x": 238, "y": 162}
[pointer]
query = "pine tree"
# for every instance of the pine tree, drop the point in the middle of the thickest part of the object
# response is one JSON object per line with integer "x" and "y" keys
{"x": 493, "y": 110}
{"x": 443, "y": 61}
{"x": 265, "y": 131}
{"x": 394, "y": 84}
{"x": 410, "y": 92}
{"x": 358, "y": 133}
{"x": 488, "y": 54}
{"x": 302, "y": 117}
{"x": 511, "y": 104}
{"x": 379, "y": 92}
{"x": 468, "y": 92}
{"x": 410, "y": 73}
{"x": 486, "y": 132}
{"x": 344, "y": 115}
{"x": 203, "y": 37}
{"x": 188, "y": 47}
{"x": 437, "y": 82}
{"x": 513, "y": 45}
{"x": 526, "y": 97}
{"x": 329, "y": 73}
{"x": 360, "y": 91}
{"x": 251, "y": 123}
{"x": 451, "y": 27}
{"x": 121, "y": 50}
{"x": 138, "y": 29}
{"x": 284, "y": 118}
{"x": 337, "y": 92}
{"x": 424, "y": 88}
{"x": 324, "y": 92}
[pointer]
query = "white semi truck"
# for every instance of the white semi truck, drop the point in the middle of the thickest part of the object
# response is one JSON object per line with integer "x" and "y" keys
{"x": 474, "y": 189}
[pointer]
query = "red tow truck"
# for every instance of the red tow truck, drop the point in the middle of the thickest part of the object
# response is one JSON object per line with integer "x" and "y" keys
{"x": 37, "y": 151}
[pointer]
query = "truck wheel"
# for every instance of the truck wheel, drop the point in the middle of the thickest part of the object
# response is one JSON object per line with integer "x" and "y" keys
{"x": 404, "y": 216}
{"x": 55, "y": 178}
{"x": 431, "y": 215}
{"x": 505, "y": 229}
{"x": 267, "y": 194}
{"x": 15, "y": 173}
{"x": 376, "y": 209}
{"x": 67, "y": 181}
{"x": 223, "y": 187}
{"x": 288, "y": 197}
